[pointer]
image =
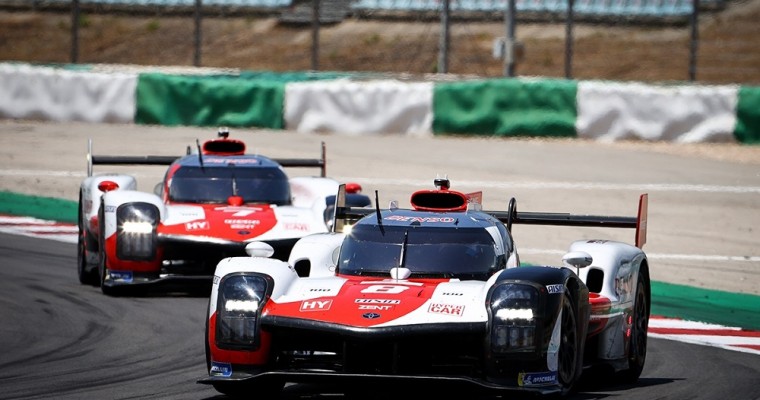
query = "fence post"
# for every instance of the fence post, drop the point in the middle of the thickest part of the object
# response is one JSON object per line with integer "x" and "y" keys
{"x": 509, "y": 22}
{"x": 694, "y": 41}
{"x": 443, "y": 43}
{"x": 198, "y": 32}
{"x": 569, "y": 40}
{"x": 75, "y": 31}
{"x": 314, "y": 35}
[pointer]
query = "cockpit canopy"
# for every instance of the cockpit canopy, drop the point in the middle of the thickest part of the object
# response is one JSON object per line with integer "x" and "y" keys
{"x": 428, "y": 251}
{"x": 193, "y": 184}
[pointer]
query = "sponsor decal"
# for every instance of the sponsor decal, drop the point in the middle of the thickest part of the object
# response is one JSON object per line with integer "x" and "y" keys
{"x": 448, "y": 309}
{"x": 197, "y": 226}
{"x": 315, "y": 305}
{"x": 121, "y": 276}
{"x": 555, "y": 289}
{"x": 220, "y": 369}
{"x": 110, "y": 209}
{"x": 420, "y": 219}
{"x": 296, "y": 226}
{"x": 371, "y": 315}
{"x": 377, "y": 301}
{"x": 375, "y": 307}
{"x": 237, "y": 161}
{"x": 242, "y": 223}
{"x": 537, "y": 378}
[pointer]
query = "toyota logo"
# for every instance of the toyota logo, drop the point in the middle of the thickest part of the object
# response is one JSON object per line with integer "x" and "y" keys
{"x": 371, "y": 315}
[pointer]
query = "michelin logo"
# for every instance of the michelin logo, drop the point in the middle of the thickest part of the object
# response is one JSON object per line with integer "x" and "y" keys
{"x": 220, "y": 369}
{"x": 537, "y": 378}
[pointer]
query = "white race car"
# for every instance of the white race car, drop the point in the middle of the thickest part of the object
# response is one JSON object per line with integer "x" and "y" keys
{"x": 435, "y": 294}
{"x": 210, "y": 204}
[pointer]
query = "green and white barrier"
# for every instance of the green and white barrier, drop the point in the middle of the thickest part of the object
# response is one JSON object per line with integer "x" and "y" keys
{"x": 364, "y": 107}
{"x": 56, "y": 94}
{"x": 341, "y": 103}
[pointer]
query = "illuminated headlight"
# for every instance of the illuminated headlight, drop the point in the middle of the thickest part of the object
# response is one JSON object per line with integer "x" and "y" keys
{"x": 136, "y": 231}
{"x": 137, "y": 227}
{"x": 514, "y": 308}
{"x": 238, "y": 310}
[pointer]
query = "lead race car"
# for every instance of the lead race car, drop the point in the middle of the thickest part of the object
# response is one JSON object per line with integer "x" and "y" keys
{"x": 432, "y": 294}
{"x": 210, "y": 204}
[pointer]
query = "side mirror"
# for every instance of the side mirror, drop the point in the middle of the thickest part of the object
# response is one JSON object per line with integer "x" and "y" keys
{"x": 577, "y": 259}
{"x": 259, "y": 249}
{"x": 157, "y": 189}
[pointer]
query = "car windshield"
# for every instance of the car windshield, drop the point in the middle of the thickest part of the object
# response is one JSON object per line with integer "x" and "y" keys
{"x": 215, "y": 185}
{"x": 465, "y": 253}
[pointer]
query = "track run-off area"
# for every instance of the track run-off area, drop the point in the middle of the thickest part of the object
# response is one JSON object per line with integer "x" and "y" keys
{"x": 704, "y": 207}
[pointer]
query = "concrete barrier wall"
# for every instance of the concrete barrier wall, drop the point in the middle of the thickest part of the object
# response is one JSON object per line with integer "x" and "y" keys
{"x": 333, "y": 103}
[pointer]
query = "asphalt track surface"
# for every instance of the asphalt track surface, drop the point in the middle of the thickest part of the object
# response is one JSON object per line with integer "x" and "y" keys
{"x": 62, "y": 340}
{"x": 67, "y": 341}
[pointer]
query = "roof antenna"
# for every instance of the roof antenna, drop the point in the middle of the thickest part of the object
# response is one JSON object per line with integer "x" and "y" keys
{"x": 200, "y": 153}
{"x": 402, "y": 257}
{"x": 377, "y": 212}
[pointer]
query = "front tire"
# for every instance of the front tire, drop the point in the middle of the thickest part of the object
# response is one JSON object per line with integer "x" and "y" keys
{"x": 85, "y": 277}
{"x": 102, "y": 257}
{"x": 569, "y": 367}
{"x": 262, "y": 390}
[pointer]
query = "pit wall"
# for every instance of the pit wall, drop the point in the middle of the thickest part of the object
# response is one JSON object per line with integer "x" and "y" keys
{"x": 359, "y": 104}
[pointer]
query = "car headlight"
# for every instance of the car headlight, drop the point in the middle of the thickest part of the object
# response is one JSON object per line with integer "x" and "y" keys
{"x": 241, "y": 298}
{"x": 514, "y": 315}
{"x": 136, "y": 231}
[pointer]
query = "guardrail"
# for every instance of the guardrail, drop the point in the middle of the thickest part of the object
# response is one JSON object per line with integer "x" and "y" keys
{"x": 650, "y": 8}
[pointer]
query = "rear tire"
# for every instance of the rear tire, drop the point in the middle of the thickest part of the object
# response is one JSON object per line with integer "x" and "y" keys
{"x": 637, "y": 346}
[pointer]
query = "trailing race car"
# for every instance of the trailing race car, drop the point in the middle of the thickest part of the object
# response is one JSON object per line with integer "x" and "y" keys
{"x": 211, "y": 203}
{"x": 431, "y": 294}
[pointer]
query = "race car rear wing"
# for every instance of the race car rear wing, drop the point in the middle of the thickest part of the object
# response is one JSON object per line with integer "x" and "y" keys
{"x": 345, "y": 215}
{"x": 92, "y": 159}
{"x": 639, "y": 222}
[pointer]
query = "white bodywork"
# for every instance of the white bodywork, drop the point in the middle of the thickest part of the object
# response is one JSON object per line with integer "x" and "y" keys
{"x": 308, "y": 203}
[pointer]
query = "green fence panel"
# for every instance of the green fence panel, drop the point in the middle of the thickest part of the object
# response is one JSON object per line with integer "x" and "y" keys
{"x": 506, "y": 107}
{"x": 748, "y": 115}
{"x": 48, "y": 208}
{"x": 198, "y": 100}
{"x": 712, "y": 306}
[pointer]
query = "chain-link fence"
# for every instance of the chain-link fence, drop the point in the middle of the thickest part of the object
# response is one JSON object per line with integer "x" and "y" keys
{"x": 704, "y": 41}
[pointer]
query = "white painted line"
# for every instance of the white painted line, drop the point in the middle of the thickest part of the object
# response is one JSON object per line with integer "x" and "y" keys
{"x": 642, "y": 187}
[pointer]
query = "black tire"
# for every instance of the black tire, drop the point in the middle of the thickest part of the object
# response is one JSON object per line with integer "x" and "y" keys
{"x": 85, "y": 277}
{"x": 262, "y": 390}
{"x": 206, "y": 346}
{"x": 102, "y": 258}
{"x": 569, "y": 365}
{"x": 637, "y": 346}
